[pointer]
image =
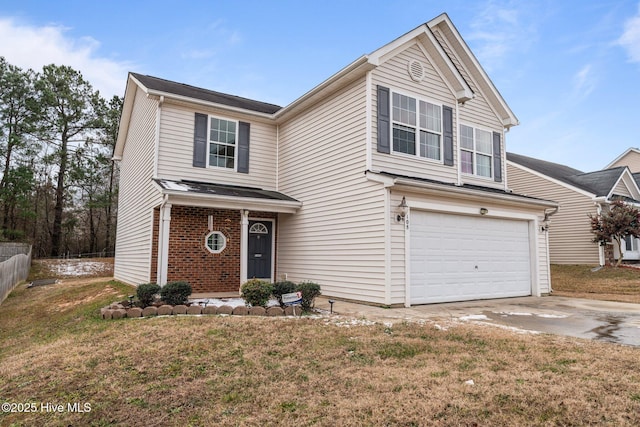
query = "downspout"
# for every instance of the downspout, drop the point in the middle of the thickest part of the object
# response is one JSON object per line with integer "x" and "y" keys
{"x": 368, "y": 123}
{"x": 545, "y": 226}
{"x": 156, "y": 159}
{"x": 277, "y": 157}
{"x": 458, "y": 172}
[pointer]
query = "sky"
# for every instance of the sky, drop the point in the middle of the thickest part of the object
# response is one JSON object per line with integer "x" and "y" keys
{"x": 569, "y": 69}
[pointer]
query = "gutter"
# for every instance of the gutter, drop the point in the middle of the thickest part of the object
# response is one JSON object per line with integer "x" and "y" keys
{"x": 470, "y": 192}
{"x": 361, "y": 64}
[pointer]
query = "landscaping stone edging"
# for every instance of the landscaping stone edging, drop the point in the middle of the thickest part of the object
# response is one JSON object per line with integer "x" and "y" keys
{"x": 118, "y": 311}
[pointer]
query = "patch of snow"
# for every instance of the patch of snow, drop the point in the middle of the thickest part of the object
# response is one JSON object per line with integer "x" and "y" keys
{"x": 354, "y": 322}
{"x": 75, "y": 267}
{"x": 553, "y": 316}
{"x": 513, "y": 313}
{"x": 231, "y": 302}
{"x": 474, "y": 317}
{"x": 170, "y": 185}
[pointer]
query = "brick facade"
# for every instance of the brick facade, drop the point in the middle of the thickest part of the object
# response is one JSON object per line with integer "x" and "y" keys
{"x": 190, "y": 260}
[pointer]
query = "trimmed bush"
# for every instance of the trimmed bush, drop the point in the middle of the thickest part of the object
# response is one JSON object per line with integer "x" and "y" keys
{"x": 147, "y": 293}
{"x": 175, "y": 293}
{"x": 281, "y": 288}
{"x": 256, "y": 292}
{"x": 309, "y": 291}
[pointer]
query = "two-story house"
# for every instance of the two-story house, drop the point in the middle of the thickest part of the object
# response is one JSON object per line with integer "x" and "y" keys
{"x": 386, "y": 183}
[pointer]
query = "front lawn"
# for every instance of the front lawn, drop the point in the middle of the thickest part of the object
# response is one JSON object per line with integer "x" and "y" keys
{"x": 610, "y": 284}
{"x": 259, "y": 371}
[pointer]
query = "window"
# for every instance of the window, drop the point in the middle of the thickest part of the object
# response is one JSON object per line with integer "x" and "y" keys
{"x": 222, "y": 143}
{"x": 476, "y": 151}
{"x": 259, "y": 228}
{"x": 631, "y": 243}
{"x": 417, "y": 127}
{"x": 215, "y": 242}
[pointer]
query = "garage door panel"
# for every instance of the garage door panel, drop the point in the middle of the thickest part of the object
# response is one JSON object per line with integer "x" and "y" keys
{"x": 458, "y": 258}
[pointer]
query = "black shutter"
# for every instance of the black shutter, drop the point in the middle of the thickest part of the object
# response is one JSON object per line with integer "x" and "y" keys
{"x": 497, "y": 158}
{"x": 200, "y": 141}
{"x": 447, "y": 134}
{"x": 384, "y": 121}
{"x": 243, "y": 147}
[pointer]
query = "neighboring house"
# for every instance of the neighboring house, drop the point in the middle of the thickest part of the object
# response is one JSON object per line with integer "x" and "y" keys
{"x": 578, "y": 194}
{"x": 630, "y": 158}
{"x": 385, "y": 184}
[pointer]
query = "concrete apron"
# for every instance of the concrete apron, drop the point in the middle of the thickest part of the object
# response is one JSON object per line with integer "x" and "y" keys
{"x": 606, "y": 321}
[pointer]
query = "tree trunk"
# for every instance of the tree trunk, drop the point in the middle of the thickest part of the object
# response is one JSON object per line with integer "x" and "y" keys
{"x": 618, "y": 241}
{"x": 56, "y": 235}
{"x": 107, "y": 242}
{"x": 3, "y": 182}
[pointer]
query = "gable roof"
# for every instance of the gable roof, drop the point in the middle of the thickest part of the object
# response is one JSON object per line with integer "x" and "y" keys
{"x": 157, "y": 86}
{"x": 621, "y": 156}
{"x": 424, "y": 34}
{"x": 599, "y": 183}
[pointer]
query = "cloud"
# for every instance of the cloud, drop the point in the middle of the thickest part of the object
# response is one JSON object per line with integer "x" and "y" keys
{"x": 584, "y": 82}
{"x": 33, "y": 47}
{"x": 630, "y": 38}
{"x": 497, "y": 30}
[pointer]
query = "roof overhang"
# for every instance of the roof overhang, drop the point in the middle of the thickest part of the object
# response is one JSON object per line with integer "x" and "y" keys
{"x": 477, "y": 73}
{"x": 467, "y": 193}
{"x": 183, "y": 197}
{"x": 423, "y": 34}
{"x": 348, "y": 74}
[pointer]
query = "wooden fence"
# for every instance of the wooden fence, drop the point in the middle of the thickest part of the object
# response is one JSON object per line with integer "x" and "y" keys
{"x": 13, "y": 271}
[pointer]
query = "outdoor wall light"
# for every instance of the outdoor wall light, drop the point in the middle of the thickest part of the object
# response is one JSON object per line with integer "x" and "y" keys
{"x": 484, "y": 211}
{"x": 403, "y": 208}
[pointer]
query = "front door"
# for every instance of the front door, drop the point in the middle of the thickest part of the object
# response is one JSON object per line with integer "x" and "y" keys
{"x": 260, "y": 244}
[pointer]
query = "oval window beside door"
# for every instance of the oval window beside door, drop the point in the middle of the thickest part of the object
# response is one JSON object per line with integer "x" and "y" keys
{"x": 215, "y": 242}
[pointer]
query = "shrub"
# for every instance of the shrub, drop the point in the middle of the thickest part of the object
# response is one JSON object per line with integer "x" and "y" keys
{"x": 281, "y": 288}
{"x": 175, "y": 293}
{"x": 147, "y": 293}
{"x": 309, "y": 291}
{"x": 256, "y": 292}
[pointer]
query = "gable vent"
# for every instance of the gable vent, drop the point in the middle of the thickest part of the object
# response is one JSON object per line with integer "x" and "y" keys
{"x": 416, "y": 70}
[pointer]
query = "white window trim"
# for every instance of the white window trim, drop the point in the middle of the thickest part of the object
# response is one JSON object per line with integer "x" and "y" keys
{"x": 209, "y": 142}
{"x": 417, "y": 127}
{"x": 475, "y": 152}
{"x": 224, "y": 242}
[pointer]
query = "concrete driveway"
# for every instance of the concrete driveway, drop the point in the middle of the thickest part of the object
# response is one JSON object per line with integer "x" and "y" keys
{"x": 583, "y": 318}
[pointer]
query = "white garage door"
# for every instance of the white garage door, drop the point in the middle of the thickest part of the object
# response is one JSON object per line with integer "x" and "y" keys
{"x": 459, "y": 258}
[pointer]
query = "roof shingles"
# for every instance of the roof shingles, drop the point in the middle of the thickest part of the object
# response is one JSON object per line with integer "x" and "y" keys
{"x": 193, "y": 92}
{"x": 598, "y": 183}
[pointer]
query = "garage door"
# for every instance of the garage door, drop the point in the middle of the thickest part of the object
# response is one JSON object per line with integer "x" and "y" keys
{"x": 459, "y": 258}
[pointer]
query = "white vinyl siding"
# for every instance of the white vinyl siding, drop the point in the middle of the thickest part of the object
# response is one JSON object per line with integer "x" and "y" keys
{"x": 176, "y": 150}
{"x": 137, "y": 195}
{"x": 393, "y": 74}
{"x": 477, "y": 110}
{"x": 622, "y": 190}
{"x": 337, "y": 237}
{"x": 569, "y": 229}
{"x": 631, "y": 160}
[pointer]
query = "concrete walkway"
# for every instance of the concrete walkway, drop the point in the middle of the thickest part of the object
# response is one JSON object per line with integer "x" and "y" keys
{"x": 600, "y": 320}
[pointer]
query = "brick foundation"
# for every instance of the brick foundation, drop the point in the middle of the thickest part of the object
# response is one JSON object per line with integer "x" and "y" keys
{"x": 189, "y": 259}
